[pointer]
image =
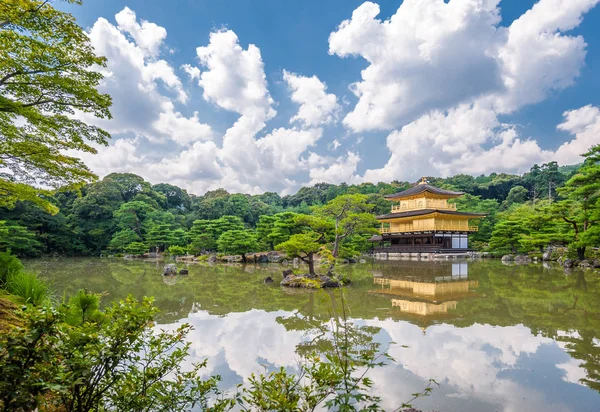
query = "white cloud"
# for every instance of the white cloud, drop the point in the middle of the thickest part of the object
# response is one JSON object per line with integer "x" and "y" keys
{"x": 430, "y": 54}
{"x": 470, "y": 139}
{"x": 181, "y": 129}
{"x": 132, "y": 76}
{"x": 584, "y": 124}
{"x": 336, "y": 171}
{"x": 435, "y": 55}
{"x": 235, "y": 79}
{"x": 148, "y": 36}
{"x": 317, "y": 107}
{"x": 191, "y": 71}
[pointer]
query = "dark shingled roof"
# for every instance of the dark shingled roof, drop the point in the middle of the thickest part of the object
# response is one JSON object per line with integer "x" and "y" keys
{"x": 426, "y": 212}
{"x": 420, "y": 188}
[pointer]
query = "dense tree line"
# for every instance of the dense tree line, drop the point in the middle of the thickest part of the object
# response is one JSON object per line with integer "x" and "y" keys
{"x": 123, "y": 213}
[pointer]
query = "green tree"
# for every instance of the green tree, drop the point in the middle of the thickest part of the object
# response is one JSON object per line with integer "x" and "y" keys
{"x": 160, "y": 236}
{"x": 517, "y": 194}
{"x": 237, "y": 242}
{"x": 350, "y": 216}
{"x": 136, "y": 248}
{"x": 48, "y": 70}
{"x": 303, "y": 246}
{"x": 132, "y": 215}
{"x": 122, "y": 239}
{"x": 18, "y": 239}
{"x": 507, "y": 234}
{"x": 582, "y": 203}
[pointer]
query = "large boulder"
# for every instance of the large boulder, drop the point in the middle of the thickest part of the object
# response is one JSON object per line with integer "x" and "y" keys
{"x": 287, "y": 273}
{"x": 274, "y": 257}
{"x": 522, "y": 259}
{"x": 546, "y": 256}
{"x": 170, "y": 269}
{"x": 568, "y": 263}
{"x": 212, "y": 259}
{"x": 508, "y": 258}
{"x": 262, "y": 259}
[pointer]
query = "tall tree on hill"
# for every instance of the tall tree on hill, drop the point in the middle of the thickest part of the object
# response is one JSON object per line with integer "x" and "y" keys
{"x": 48, "y": 72}
{"x": 350, "y": 215}
{"x": 581, "y": 207}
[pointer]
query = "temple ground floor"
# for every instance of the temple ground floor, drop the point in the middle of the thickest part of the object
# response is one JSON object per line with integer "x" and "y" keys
{"x": 423, "y": 242}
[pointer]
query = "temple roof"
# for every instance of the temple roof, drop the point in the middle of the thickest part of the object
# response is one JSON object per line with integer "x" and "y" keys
{"x": 427, "y": 212}
{"x": 423, "y": 187}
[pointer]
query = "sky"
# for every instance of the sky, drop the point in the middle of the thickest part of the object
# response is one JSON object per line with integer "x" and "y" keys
{"x": 271, "y": 95}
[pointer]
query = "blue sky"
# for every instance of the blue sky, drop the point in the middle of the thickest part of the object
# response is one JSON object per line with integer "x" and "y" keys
{"x": 402, "y": 89}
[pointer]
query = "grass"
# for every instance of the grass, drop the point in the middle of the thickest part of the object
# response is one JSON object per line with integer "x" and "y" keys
{"x": 28, "y": 287}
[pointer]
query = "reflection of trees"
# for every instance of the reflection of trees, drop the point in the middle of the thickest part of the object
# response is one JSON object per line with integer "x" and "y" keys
{"x": 545, "y": 300}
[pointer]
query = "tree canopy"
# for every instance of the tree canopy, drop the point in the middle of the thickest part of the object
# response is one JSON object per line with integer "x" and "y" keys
{"x": 49, "y": 78}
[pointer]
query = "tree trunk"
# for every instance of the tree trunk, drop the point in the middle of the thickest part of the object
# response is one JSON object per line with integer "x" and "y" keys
{"x": 336, "y": 247}
{"x": 581, "y": 253}
{"x": 311, "y": 264}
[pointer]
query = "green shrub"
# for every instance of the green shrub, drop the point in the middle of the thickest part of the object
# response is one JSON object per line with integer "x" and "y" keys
{"x": 176, "y": 250}
{"x": 28, "y": 286}
{"x": 202, "y": 258}
{"x": 8, "y": 264}
{"x": 136, "y": 248}
{"x": 82, "y": 307}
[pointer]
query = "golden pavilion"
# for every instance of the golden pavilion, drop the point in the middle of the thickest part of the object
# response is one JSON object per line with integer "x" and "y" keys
{"x": 423, "y": 221}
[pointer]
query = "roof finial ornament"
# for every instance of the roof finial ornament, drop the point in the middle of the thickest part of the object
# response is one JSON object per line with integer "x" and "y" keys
{"x": 423, "y": 181}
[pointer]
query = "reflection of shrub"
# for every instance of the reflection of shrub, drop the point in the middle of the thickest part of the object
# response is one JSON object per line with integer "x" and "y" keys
{"x": 27, "y": 286}
{"x": 8, "y": 264}
{"x": 136, "y": 248}
{"x": 176, "y": 250}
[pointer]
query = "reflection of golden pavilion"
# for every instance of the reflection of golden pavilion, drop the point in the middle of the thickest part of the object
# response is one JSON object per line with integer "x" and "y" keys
{"x": 428, "y": 296}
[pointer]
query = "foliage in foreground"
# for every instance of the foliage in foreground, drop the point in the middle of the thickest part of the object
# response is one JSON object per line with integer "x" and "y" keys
{"x": 79, "y": 358}
{"x": 28, "y": 286}
{"x": 111, "y": 362}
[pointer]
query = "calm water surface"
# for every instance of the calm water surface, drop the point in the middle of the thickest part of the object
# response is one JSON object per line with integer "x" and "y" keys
{"x": 496, "y": 337}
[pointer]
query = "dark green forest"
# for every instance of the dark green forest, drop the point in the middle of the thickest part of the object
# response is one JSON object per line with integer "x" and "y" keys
{"x": 122, "y": 213}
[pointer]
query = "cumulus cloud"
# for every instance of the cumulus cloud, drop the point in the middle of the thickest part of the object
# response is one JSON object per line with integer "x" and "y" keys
{"x": 470, "y": 139}
{"x": 434, "y": 55}
{"x": 336, "y": 171}
{"x": 430, "y": 54}
{"x": 439, "y": 76}
{"x": 132, "y": 76}
{"x": 148, "y": 36}
{"x": 317, "y": 107}
{"x": 235, "y": 79}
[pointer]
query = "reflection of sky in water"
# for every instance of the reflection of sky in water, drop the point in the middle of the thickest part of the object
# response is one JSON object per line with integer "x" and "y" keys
{"x": 479, "y": 367}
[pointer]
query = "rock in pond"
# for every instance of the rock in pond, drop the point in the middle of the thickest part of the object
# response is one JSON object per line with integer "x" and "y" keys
{"x": 170, "y": 269}
{"x": 212, "y": 258}
{"x": 287, "y": 273}
{"x": 268, "y": 279}
{"x": 507, "y": 258}
{"x": 183, "y": 272}
{"x": 568, "y": 263}
{"x": 310, "y": 282}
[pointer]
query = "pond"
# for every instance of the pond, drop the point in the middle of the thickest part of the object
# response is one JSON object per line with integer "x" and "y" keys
{"x": 495, "y": 337}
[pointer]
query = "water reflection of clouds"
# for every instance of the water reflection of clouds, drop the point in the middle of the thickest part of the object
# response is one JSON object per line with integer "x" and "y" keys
{"x": 479, "y": 367}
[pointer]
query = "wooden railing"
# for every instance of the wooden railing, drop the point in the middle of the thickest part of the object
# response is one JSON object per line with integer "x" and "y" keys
{"x": 437, "y": 226}
{"x": 422, "y": 204}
